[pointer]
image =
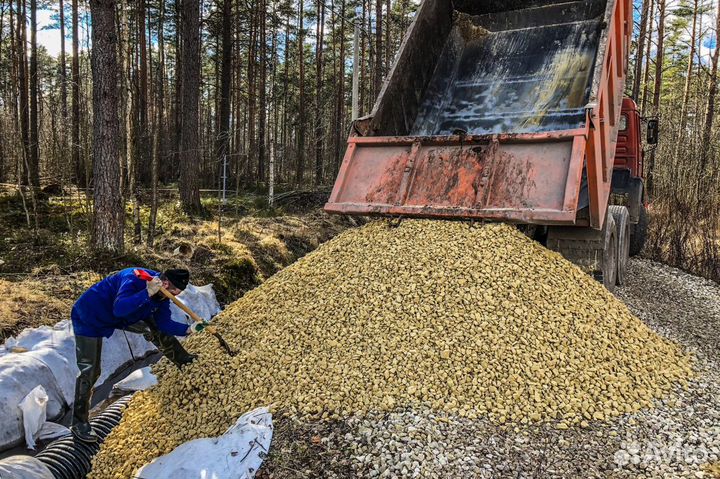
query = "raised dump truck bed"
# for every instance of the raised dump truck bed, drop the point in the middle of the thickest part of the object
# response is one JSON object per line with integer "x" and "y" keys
{"x": 496, "y": 110}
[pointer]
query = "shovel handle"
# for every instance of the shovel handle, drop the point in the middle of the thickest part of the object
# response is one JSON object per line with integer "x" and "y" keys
{"x": 146, "y": 277}
{"x": 180, "y": 305}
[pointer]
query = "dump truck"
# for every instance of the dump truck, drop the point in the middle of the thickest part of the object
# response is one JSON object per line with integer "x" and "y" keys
{"x": 510, "y": 111}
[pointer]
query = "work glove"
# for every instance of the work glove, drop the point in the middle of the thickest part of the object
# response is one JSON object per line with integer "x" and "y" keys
{"x": 198, "y": 327}
{"x": 154, "y": 286}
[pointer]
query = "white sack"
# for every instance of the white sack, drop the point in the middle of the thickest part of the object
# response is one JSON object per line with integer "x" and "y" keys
{"x": 50, "y": 362}
{"x": 237, "y": 454}
{"x": 33, "y": 408}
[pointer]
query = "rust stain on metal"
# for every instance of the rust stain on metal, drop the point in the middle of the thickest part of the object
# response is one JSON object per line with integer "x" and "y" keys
{"x": 386, "y": 190}
{"x": 453, "y": 176}
{"x": 513, "y": 182}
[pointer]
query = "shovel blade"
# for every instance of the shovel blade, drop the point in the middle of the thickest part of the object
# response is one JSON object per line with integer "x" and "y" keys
{"x": 224, "y": 344}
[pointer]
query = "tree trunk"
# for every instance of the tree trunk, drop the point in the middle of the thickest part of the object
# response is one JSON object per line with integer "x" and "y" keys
{"x": 388, "y": 37}
{"x": 688, "y": 78}
{"x": 363, "y": 62}
{"x": 128, "y": 107}
{"x": 640, "y": 50}
{"x": 23, "y": 97}
{"x": 660, "y": 55}
{"x": 340, "y": 105}
{"x": 318, "y": 91}
{"x": 239, "y": 129}
{"x": 646, "y": 78}
{"x": 34, "y": 160}
{"x": 159, "y": 124}
{"x": 108, "y": 212}
{"x": 222, "y": 147}
{"x": 14, "y": 79}
{"x": 273, "y": 104}
{"x": 262, "y": 106}
{"x": 286, "y": 87}
{"x": 143, "y": 88}
{"x": 3, "y": 159}
{"x": 658, "y": 88}
{"x": 80, "y": 175}
{"x": 378, "y": 48}
{"x": 300, "y": 164}
{"x": 140, "y": 154}
{"x": 190, "y": 146}
{"x": 251, "y": 100}
{"x": 178, "y": 106}
{"x": 63, "y": 69}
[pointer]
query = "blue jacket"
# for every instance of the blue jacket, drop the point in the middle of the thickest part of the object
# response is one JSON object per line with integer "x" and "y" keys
{"x": 119, "y": 301}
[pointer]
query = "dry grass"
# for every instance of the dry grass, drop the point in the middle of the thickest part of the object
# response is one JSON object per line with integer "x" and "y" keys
{"x": 56, "y": 263}
{"x": 246, "y": 252}
{"x": 34, "y": 302}
{"x": 249, "y": 250}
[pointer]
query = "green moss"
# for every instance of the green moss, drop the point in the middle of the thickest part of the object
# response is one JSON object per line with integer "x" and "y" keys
{"x": 238, "y": 276}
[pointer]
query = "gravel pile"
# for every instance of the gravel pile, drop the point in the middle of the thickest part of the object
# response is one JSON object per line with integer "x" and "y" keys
{"x": 443, "y": 325}
{"x": 678, "y": 438}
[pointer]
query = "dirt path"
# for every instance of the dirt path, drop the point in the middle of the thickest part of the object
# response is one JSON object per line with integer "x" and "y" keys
{"x": 678, "y": 438}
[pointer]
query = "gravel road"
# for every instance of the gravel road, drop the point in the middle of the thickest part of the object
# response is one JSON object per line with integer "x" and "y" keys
{"x": 676, "y": 439}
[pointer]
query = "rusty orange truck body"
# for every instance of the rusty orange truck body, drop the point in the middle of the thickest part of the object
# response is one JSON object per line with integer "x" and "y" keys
{"x": 509, "y": 111}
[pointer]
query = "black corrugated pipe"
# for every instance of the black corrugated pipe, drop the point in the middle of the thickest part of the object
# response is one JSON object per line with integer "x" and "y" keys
{"x": 69, "y": 458}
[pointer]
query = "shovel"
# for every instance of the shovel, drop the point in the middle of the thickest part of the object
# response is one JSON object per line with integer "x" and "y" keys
{"x": 209, "y": 328}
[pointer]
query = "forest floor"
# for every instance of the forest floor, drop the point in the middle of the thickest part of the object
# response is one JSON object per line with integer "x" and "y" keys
{"x": 679, "y": 437}
{"x": 43, "y": 270}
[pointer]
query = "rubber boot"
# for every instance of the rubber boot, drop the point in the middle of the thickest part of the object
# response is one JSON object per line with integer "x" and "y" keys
{"x": 171, "y": 348}
{"x": 168, "y": 345}
{"x": 88, "y": 351}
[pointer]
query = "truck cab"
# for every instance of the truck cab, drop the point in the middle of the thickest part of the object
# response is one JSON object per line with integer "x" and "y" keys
{"x": 628, "y": 185}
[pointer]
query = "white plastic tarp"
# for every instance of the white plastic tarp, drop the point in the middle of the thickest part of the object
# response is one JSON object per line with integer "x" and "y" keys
{"x": 200, "y": 299}
{"x": 49, "y": 360}
{"x": 24, "y": 467}
{"x": 139, "y": 380}
{"x": 237, "y": 454}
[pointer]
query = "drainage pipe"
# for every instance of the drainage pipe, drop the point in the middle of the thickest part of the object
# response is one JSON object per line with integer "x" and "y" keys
{"x": 70, "y": 458}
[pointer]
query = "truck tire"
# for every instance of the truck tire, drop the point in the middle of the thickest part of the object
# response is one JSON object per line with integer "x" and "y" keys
{"x": 638, "y": 234}
{"x": 608, "y": 275}
{"x": 594, "y": 251}
{"x": 621, "y": 215}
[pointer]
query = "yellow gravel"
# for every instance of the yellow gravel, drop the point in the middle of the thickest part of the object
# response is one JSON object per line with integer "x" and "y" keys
{"x": 479, "y": 321}
{"x": 714, "y": 470}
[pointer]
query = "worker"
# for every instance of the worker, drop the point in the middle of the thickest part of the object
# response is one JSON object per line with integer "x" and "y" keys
{"x": 126, "y": 302}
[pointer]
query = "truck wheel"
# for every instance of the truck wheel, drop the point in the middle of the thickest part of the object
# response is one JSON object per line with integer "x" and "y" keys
{"x": 608, "y": 275}
{"x": 594, "y": 251}
{"x": 639, "y": 233}
{"x": 621, "y": 215}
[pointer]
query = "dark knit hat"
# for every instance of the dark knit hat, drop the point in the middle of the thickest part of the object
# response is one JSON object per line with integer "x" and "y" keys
{"x": 178, "y": 277}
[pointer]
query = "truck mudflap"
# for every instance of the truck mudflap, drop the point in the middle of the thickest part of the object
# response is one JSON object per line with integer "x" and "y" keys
{"x": 526, "y": 178}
